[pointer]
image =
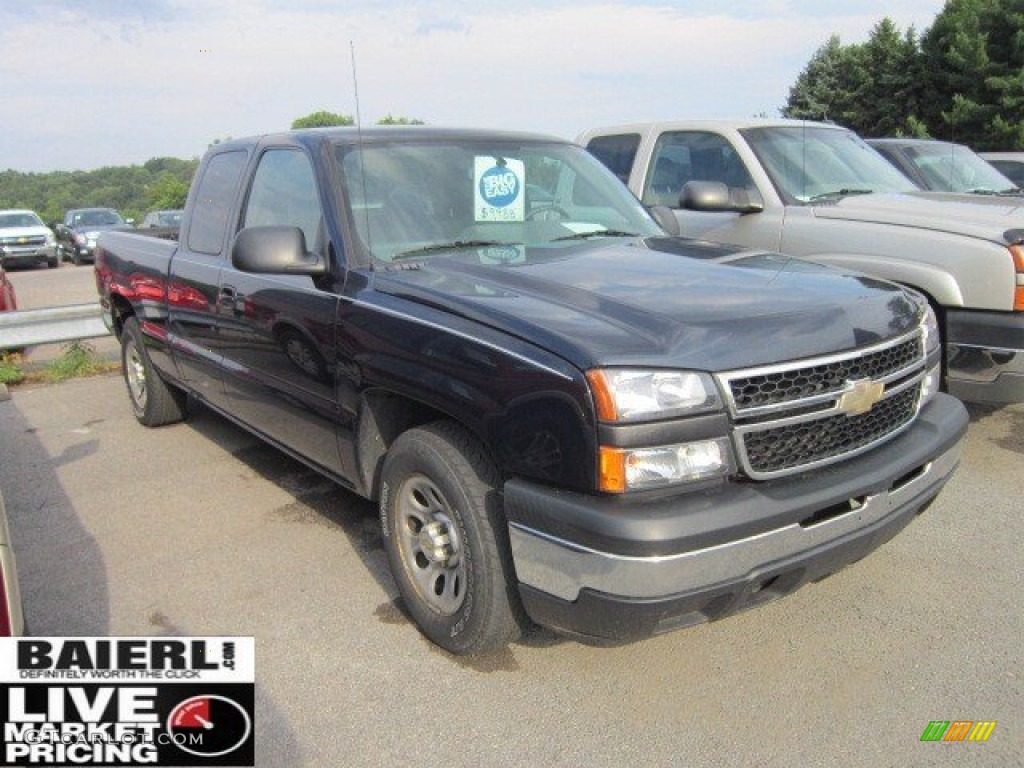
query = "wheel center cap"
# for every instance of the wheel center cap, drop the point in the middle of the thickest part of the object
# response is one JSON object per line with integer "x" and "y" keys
{"x": 436, "y": 542}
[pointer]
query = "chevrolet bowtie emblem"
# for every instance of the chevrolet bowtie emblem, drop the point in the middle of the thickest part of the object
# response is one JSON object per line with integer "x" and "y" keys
{"x": 860, "y": 395}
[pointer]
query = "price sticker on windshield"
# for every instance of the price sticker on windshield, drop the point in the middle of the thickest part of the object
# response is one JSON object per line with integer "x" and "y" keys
{"x": 499, "y": 185}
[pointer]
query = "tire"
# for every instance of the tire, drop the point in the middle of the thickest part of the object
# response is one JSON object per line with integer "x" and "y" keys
{"x": 447, "y": 540}
{"x": 154, "y": 401}
{"x": 53, "y": 263}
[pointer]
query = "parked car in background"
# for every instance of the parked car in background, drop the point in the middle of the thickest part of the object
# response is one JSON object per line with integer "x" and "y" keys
{"x": 77, "y": 234}
{"x": 160, "y": 219}
{"x": 816, "y": 190}
{"x": 941, "y": 166}
{"x": 25, "y": 239}
{"x": 12, "y": 618}
{"x": 1010, "y": 164}
{"x": 8, "y": 300}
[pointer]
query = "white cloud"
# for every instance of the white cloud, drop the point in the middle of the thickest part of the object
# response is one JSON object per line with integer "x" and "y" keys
{"x": 123, "y": 88}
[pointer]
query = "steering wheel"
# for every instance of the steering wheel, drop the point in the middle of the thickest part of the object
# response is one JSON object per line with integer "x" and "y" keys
{"x": 560, "y": 212}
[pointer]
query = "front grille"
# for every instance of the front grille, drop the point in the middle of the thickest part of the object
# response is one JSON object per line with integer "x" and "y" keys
{"x": 783, "y": 386}
{"x": 771, "y": 450}
{"x": 15, "y": 242}
{"x": 794, "y": 416}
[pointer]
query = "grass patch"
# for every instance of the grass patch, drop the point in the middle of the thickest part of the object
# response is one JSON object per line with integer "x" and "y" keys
{"x": 78, "y": 359}
{"x": 10, "y": 369}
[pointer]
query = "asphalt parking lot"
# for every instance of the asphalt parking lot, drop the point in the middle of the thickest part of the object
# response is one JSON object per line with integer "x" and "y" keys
{"x": 198, "y": 529}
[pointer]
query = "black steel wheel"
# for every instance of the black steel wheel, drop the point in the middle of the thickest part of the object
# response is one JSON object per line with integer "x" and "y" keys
{"x": 447, "y": 540}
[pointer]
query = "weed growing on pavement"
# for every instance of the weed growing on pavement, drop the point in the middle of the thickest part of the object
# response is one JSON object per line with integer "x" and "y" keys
{"x": 78, "y": 359}
{"x": 10, "y": 369}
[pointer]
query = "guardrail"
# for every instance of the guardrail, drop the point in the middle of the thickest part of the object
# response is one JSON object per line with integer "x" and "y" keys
{"x": 27, "y": 327}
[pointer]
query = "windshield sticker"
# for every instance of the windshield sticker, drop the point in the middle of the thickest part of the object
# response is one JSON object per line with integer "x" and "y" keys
{"x": 498, "y": 189}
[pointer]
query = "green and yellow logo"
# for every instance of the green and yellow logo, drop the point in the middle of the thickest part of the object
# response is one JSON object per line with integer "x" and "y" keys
{"x": 958, "y": 730}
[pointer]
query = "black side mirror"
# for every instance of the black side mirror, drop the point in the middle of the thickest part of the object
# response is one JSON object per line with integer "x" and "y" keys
{"x": 716, "y": 196}
{"x": 276, "y": 251}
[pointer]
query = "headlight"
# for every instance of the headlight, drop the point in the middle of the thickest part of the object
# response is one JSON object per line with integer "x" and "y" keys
{"x": 48, "y": 238}
{"x": 930, "y": 385}
{"x": 629, "y": 395}
{"x": 930, "y": 330}
{"x": 624, "y": 469}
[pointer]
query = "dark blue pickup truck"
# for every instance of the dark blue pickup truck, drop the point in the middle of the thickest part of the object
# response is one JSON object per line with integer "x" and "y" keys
{"x": 564, "y": 414}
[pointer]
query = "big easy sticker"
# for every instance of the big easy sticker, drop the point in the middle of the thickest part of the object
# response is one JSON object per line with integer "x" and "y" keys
{"x": 499, "y": 189}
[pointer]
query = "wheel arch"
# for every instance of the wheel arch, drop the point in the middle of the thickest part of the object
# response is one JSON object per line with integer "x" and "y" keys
{"x": 383, "y": 416}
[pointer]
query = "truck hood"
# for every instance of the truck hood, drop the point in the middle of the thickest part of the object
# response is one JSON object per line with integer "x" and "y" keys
{"x": 983, "y": 216}
{"x": 660, "y": 302}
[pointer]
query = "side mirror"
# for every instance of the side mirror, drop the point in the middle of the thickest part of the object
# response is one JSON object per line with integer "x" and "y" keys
{"x": 275, "y": 251}
{"x": 666, "y": 219}
{"x": 716, "y": 196}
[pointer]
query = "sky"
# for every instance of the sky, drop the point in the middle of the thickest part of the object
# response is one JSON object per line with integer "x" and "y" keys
{"x": 93, "y": 83}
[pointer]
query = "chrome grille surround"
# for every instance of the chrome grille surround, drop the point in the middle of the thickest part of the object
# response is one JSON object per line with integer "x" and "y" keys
{"x": 788, "y": 418}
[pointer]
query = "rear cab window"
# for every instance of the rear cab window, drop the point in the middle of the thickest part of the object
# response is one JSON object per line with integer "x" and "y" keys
{"x": 617, "y": 152}
{"x": 214, "y": 202}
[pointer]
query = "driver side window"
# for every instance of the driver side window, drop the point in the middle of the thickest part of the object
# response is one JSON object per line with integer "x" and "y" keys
{"x": 682, "y": 156}
{"x": 284, "y": 193}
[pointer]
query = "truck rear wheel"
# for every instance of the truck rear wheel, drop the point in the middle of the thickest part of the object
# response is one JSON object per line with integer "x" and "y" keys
{"x": 154, "y": 401}
{"x": 447, "y": 540}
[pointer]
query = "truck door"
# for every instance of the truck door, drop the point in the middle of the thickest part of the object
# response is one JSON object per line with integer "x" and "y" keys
{"x": 194, "y": 279}
{"x": 682, "y": 156}
{"x": 278, "y": 331}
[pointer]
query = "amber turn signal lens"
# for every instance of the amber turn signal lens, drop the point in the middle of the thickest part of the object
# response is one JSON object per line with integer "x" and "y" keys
{"x": 603, "y": 400}
{"x": 612, "y": 467}
{"x": 1017, "y": 251}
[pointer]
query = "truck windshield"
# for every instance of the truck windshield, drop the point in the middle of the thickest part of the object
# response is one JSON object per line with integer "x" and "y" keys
{"x": 418, "y": 199}
{"x": 953, "y": 168}
{"x": 811, "y": 164}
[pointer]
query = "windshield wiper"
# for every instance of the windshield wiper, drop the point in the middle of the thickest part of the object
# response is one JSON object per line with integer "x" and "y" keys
{"x": 414, "y": 252}
{"x": 599, "y": 233}
{"x": 841, "y": 193}
{"x": 1012, "y": 191}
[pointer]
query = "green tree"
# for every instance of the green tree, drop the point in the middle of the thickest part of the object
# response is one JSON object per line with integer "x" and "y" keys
{"x": 962, "y": 80}
{"x": 824, "y": 89}
{"x": 974, "y": 58}
{"x": 322, "y": 119}
{"x": 167, "y": 192}
{"x": 389, "y": 119}
{"x": 886, "y": 102}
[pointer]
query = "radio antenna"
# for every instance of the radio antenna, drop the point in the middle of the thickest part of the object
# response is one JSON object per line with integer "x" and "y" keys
{"x": 359, "y": 152}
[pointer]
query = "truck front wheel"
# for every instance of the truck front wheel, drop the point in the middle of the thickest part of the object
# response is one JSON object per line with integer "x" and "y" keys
{"x": 447, "y": 541}
{"x": 154, "y": 401}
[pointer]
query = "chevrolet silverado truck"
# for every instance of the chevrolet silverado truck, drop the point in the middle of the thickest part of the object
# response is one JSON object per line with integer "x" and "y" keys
{"x": 943, "y": 166}
{"x": 562, "y": 413}
{"x": 817, "y": 191}
{"x": 24, "y": 239}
